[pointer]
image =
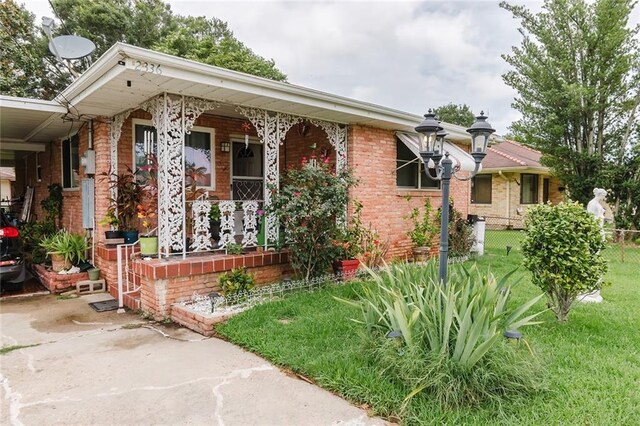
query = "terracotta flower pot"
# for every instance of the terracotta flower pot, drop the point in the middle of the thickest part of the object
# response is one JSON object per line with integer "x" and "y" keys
{"x": 58, "y": 262}
{"x": 421, "y": 254}
{"x": 346, "y": 269}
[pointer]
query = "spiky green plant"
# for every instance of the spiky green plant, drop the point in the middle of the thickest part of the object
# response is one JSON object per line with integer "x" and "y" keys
{"x": 458, "y": 325}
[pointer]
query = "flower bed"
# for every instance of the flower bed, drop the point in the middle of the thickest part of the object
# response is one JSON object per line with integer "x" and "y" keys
{"x": 58, "y": 283}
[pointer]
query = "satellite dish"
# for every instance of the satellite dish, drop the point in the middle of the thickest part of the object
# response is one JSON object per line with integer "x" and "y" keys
{"x": 71, "y": 47}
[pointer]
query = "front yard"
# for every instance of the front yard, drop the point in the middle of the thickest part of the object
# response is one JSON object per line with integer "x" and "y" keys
{"x": 592, "y": 363}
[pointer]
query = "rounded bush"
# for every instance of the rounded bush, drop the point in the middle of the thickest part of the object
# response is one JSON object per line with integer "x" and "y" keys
{"x": 563, "y": 250}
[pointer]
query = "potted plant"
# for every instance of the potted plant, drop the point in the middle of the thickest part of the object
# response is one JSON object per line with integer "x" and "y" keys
{"x": 348, "y": 245}
{"x": 424, "y": 229}
{"x": 111, "y": 219}
{"x": 129, "y": 193}
{"x": 148, "y": 242}
{"x": 64, "y": 249}
{"x": 148, "y": 209}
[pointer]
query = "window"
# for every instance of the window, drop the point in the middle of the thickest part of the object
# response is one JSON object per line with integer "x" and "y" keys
{"x": 545, "y": 190}
{"x": 528, "y": 189}
{"x": 70, "y": 163}
{"x": 410, "y": 171}
{"x": 481, "y": 189}
{"x": 198, "y": 150}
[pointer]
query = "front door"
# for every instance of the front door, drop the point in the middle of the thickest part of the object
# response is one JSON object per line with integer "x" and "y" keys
{"x": 247, "y": 171}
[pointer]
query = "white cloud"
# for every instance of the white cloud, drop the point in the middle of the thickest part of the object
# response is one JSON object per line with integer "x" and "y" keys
{"x": 407, "y": 55}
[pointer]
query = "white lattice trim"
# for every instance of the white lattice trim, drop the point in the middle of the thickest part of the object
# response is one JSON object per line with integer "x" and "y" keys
{"x": 201, "y": 234}
{"x": 250, "y": 209}
{"x": 337, "y": 136}
{"x": 227, "y": 223}
{"x": 115, "y": 131}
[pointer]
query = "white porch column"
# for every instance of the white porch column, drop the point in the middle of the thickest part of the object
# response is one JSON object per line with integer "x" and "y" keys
{"x": 272, "y": 130}
{"x": 172, "y": 116}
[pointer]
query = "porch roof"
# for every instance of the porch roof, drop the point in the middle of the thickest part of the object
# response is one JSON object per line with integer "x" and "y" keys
{"x": 117, "y": 82}
{"x": 25, "y": 121}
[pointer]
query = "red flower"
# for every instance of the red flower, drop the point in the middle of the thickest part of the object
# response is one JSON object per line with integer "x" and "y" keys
{"x": 296, "y": 194}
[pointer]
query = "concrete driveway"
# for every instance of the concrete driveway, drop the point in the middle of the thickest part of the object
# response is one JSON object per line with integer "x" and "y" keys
{"x": 90, "y": 368}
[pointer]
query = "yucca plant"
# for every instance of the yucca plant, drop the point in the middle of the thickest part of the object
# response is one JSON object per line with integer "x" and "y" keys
{"x": 456, "y": 326}
{"x": 70, "y": 246}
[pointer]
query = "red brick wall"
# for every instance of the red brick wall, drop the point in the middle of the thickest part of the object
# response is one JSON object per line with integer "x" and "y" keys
{"x": 158, "y": 295}
{"x": 299, "y": 144}
{"x": 51, "y": 172}
{"x": 372, "y": 156}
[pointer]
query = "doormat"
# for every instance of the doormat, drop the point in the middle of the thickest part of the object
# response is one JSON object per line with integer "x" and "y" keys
{"x": 105, "y": 305}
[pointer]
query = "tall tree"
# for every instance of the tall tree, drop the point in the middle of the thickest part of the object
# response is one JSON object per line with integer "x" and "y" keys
{"x": 28, "y": 69}
{"x": 23, "y": 59}
{"x": 456, "y": 114}
{"x": 576, "y": 73}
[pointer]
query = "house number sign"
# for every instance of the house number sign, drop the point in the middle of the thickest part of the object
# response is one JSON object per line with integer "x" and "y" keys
{"x": 147, "y": 67}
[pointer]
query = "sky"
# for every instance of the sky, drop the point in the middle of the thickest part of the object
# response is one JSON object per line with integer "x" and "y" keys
{"x": 410, "y": 56}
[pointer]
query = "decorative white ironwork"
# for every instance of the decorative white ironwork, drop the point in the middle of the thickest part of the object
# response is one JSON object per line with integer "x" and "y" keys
{"x": 172, "y": 116}
{"x": 115, "y": 131}
{"x": 272, "y": 130}
{"x": 337, "y": 136}
{"x": 250, "y": 209}
{"x": 214, "y": 303}
{"x": 201, "y": 235}
{"x": 193, "y": 108}
{"x": 227, "y": 223}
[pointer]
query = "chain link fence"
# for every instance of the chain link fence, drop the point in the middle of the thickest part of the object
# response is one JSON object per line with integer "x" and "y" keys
{"x": 503, "y": 235}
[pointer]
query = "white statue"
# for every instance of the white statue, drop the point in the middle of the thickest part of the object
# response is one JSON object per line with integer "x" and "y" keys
{"x": 596, "y": 208}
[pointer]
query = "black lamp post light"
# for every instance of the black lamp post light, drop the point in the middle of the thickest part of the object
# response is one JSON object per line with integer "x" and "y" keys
{"x": 431, "y": 148}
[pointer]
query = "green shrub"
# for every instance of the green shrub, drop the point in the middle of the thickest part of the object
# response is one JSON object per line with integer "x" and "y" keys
{"x": 309, "y": 204}
{"x": 563, "y": 250}
{"x": 461, "y": 237}
{"x": 71, "y": 246}
{"x": 236, "y": 281}
{"x": 234, "y": 248}
{"x": 425, "y": 228}
{"x": 32, "y": 233}
{"x": 450, "y": 339}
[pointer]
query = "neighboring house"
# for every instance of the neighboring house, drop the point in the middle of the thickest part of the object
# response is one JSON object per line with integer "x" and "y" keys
{"x": 242, "y": 130}
{"x": 511, "y": 180}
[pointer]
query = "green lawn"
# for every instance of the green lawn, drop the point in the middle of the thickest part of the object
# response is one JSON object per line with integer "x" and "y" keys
{"x": 592, "y": 362}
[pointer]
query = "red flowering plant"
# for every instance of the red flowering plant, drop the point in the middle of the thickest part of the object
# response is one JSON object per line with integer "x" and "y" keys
{"x": 374, "y": 249}
{"x": 309, "y": 204}
{"x": 147, "y": 209}
{"x": 146, "y": 216}
{"x": 347, "y": 245}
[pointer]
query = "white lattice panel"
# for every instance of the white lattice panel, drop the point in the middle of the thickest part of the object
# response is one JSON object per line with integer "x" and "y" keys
{"x": 250, "y": 209}
{"x": 227, "y": 223}
{"x": 201, "y": 234}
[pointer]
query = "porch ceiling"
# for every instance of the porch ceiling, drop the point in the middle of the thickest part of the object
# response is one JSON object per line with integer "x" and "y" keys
{"x": 23, "y": 122}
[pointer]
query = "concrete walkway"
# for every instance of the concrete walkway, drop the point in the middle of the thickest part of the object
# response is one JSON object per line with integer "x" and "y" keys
{"x": 93, "y": 368}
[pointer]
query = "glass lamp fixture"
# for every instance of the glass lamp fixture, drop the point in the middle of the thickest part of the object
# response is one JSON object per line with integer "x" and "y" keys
{"x": 480, "y": 131}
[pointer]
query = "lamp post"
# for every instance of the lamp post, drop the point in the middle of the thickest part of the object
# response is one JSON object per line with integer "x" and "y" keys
{"x": 431, "y": 148}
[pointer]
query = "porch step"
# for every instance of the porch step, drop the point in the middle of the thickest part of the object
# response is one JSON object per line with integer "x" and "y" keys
{"x": 132, "y": 300}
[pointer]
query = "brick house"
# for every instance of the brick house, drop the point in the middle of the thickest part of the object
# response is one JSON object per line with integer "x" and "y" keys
{"x": 511, "y": 180}
{"x": 241, "y": 129}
